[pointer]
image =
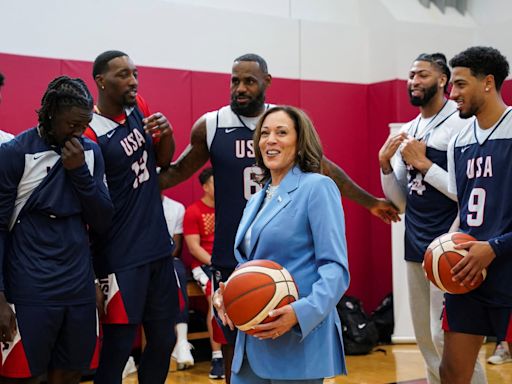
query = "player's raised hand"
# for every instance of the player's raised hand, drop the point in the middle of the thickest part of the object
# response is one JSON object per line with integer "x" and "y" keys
{"x": 470, "y": 267}
{"x": 389, "y": 148}
{"x": 218, "y": 303}
{"x": 72, "y": 154}
{"x": 7, "y": 320}
{"x": 157, "y": 126}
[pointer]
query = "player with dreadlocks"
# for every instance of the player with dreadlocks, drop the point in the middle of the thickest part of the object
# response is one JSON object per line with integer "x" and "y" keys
{"x": 52, "y": 192}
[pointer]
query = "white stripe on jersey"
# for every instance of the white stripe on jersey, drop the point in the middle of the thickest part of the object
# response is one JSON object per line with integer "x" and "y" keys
{"x": 102, "y": 125}
{"x": 5, "y": 137}
{"x": 466, "y": 137}
{"x": 504, "y": 131}
{"x": 89, "y": 160}
{"x": 37, "y": 166}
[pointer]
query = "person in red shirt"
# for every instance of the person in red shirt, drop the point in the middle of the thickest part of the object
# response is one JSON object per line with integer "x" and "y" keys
{"x": 199, "y": 231}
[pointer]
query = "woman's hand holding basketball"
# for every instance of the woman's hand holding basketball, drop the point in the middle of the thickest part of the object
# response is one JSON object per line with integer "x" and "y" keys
{"x": 285, "y": 319}
{"x": 218, "y": 303}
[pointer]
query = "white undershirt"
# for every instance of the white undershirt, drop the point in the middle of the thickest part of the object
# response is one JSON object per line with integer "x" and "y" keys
{"x": 423, "y": 125}
{"x": 483, "y": 134}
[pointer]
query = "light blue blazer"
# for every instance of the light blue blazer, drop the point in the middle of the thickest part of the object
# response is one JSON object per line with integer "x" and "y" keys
{"x": 303, "y": 229}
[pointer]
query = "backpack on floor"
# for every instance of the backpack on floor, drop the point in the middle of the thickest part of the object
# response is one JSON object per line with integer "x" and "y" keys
{"x": 360, "y": 334}
{"x": 384, "y": 319}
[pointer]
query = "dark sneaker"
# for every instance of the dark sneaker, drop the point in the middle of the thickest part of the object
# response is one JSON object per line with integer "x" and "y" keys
{"x": 217, "y": 370}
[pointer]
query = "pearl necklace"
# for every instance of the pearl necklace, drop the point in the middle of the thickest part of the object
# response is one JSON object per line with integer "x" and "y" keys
{"x": 271, "y": 190}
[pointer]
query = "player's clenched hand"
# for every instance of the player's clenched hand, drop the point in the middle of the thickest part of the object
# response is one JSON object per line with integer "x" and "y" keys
{"x": 72, "y": 154}
{"x": 414, "y": 153}
{"x": 157, "y": 125}
{"x": 469, "y": 268}
{"x": 384, "y": 210}
{"x": 285, "y": 319}
{"x": 7, "y": 320}
{"x": 389, "y": 148}
{"x": 218, "y": 303}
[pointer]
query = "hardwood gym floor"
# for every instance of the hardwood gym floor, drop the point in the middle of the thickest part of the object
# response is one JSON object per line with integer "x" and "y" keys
{"x": 395, "y": 364}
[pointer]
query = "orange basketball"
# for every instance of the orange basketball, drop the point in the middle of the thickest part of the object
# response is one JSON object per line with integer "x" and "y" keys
{"x": 254, "y": 289}
{"x": 441, "y": 257}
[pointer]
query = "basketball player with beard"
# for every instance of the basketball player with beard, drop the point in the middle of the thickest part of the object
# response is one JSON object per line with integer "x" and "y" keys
{"x": 414, "y": 177}
{"x": 225, "y": 137}
{"x": 132, "y": 260}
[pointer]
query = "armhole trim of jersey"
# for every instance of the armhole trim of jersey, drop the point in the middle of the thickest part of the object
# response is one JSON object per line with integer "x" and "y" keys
{"x": 211, "y": 127}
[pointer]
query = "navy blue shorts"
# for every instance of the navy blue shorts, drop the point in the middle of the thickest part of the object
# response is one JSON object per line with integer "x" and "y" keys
{"x": 145, "y": 293}
{"x": 464, "y": 314}
{"x": 221, "y": 275}
{"x": 52, "y": 337}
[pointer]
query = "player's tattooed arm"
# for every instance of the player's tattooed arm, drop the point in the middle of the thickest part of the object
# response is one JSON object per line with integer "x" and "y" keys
{"x": 191, "y": 160}
{"x": 379, "y": 207}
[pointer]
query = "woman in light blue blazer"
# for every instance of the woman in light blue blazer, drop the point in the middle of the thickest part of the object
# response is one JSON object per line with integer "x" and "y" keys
{"x": 297, "y": 221}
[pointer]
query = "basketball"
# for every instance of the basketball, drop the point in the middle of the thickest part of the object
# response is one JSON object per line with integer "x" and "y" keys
{"x": 254, "y": 289}
{"x": 441, "y": 257}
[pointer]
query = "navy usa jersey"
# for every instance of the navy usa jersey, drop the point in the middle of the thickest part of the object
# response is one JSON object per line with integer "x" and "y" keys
{"x": 138, "y": 233}
{"x": 481, "y": 175}
{"x": 229, "y": 138}
{"x": 429, "y": 211}
{"x": 44, "y": 214}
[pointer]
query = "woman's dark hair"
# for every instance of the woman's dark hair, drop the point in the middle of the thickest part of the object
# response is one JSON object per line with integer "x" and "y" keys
{"x": 309, "y": 149}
